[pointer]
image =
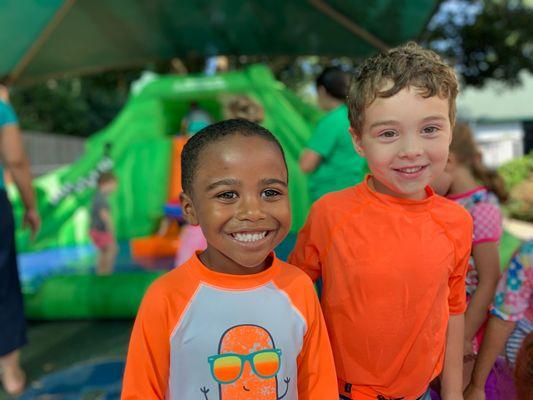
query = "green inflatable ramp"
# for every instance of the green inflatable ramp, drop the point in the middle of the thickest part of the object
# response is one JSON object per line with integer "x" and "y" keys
{"x": 89, "y": 296}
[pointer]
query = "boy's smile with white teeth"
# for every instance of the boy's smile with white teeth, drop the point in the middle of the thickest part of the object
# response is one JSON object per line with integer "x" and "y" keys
{"x": 249, "y": 236}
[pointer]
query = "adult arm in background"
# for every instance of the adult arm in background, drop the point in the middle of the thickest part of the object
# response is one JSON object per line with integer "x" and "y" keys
{"x": 493, "y": 344}
{"x": 309, "y": 161}
{"x": 15, "y": 160}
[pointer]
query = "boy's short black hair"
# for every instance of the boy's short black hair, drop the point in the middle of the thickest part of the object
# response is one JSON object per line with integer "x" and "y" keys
{"x": 190, "y": 155}
{"x": 335, "y": 81}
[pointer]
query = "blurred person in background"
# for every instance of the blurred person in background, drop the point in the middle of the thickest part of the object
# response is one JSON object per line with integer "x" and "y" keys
{"x": 329, "y": 156}
{"x": 12, "y": 321}
{"x": 244, "y": 107}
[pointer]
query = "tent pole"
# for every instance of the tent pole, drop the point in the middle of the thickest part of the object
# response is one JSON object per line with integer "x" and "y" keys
{"x": 326, "y": 9}
{"x": 39, "y": 42}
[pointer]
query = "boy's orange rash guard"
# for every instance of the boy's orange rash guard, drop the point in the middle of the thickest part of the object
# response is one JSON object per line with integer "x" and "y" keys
{"x": 186, "y": 314}
{"x": 393, "y": 271}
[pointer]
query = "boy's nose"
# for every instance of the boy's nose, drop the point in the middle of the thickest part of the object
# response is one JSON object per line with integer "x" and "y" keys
{"x": 411, "y": 147}
{"x": 250, "y": 209}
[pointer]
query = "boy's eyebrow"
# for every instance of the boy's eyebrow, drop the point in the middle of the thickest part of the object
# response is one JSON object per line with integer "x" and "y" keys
{"x": 272, "y": 181}
{"x": 392, "y": 122}
{"x": 436, "y": 116}
{"x": 222, "y": 182}
{"x": 379, "y": 123}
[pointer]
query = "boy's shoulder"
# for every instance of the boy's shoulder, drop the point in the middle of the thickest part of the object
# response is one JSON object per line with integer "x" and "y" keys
{"x": 450, "y": 210}
{"x": 336, "y": 206}
{"x": 296, "y": 285}
{"x": 177, "y": 283}
{"x": 454, "y": 216}
{"x": 344, "y": 199}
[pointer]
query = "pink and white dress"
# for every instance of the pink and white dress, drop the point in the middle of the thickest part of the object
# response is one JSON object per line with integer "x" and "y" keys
{"x": 484, "y": 208}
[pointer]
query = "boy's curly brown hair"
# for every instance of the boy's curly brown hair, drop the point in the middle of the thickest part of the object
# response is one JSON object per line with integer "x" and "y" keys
{"x": 409, "y": 65}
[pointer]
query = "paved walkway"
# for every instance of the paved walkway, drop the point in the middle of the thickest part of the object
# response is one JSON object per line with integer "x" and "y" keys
{"x": 83, "y": 348}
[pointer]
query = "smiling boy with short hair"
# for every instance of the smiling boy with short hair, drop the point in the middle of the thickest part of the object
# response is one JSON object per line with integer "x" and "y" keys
{"x": 392, "y": 254}
{"x": 233, "y": 322}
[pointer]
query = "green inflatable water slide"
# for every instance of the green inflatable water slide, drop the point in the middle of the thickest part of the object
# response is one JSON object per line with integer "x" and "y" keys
{"x": 137, "y": 144}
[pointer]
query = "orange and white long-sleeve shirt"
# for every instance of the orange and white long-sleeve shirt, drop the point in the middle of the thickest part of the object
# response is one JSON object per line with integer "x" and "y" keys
{"x": 203, "y": 335}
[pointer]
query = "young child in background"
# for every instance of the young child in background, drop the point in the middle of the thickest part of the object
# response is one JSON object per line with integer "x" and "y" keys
{"x": 329, "y": 157}
{"x": 244, "y": 107}
{"x": 234, "y": 322}
{"x": 468, "y": 182}
{"x": 196, "y": 119}
{"x": 393, "y": 255}
{"x": 102, "y": 230}
{"x": 510, "y": 322}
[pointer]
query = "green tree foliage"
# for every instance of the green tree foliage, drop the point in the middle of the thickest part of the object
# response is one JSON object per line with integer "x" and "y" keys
{"x": 485, "y": 39}
{"x": 75, "y": 106}
{"x": 518, "y": 176}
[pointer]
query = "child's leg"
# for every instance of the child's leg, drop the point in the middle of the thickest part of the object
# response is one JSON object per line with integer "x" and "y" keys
{"x": 13, "y": 377}
{"x": 106, "y": 259}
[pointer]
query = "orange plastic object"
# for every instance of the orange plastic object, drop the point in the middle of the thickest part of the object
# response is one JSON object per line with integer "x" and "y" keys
{"x": 154, "y": 246}
{"x": 174, "y": 183}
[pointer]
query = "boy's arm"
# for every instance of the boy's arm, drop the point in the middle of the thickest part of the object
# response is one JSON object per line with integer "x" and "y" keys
{"x": 316, "y": 370}
{"x": 147, "y": 365}
{"x": 452, "y": 374}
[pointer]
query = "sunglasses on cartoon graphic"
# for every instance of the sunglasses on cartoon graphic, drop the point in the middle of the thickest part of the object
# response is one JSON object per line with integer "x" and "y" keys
{"x": 228, "y": 367}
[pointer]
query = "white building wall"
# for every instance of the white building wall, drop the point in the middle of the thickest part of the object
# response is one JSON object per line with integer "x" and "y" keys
{"x": 499, "y": 142}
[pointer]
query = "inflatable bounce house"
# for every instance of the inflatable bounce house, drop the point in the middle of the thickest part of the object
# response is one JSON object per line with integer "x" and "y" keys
{"x": 141, "y": 148}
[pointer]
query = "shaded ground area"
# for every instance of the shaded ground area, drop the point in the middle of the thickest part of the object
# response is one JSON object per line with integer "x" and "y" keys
{"x": 74, "y": 348}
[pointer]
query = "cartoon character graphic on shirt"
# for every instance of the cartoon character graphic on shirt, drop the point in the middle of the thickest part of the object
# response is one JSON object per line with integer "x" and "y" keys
{"x": 246, "y": 365}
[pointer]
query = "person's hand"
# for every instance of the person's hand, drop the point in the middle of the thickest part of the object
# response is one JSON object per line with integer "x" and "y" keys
{"x": 473, "y": 392}
{"x": 468, "y": 352}
{"x": 32, "y": 220}
{"x": 4, "y": 94}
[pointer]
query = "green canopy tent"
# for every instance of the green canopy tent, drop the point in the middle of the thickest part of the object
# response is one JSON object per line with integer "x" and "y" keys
{"x": 44, "y": 38}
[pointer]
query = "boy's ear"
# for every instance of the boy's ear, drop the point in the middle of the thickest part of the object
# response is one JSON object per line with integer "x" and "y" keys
{"x": 451, "y": 162}
{"x": 356, "y": 140}
{"x": 189, "y": 213}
